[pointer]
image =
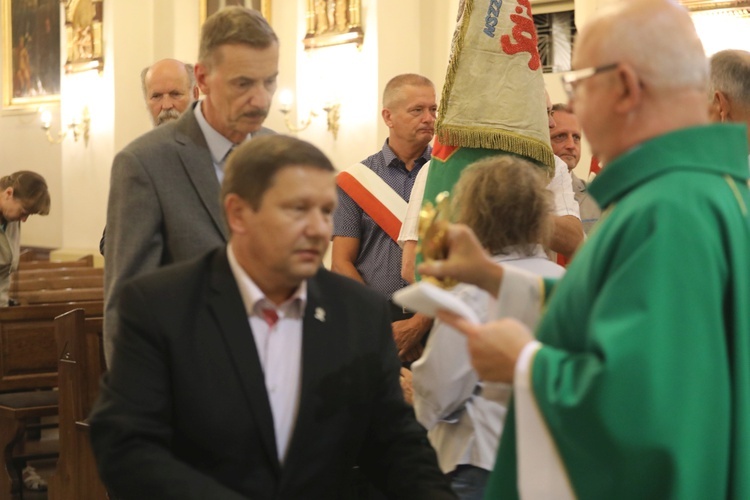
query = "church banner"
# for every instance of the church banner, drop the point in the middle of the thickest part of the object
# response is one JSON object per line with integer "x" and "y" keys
{"x": 493, "y": 100}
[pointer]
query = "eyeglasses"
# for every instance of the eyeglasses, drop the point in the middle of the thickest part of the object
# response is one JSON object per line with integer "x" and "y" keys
{"x": 570, "y": 78}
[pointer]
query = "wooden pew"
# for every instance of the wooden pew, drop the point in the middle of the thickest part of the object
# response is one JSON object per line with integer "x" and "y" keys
{"x": 57, "y": 283}
{"x": 85, "y": 261}
{"x": 59, "y": 296}
{"x": 32, "y": 286}
{"x": 56, "y": 272}
{"x": 34, "y": 253}
{"x": 81, "y": 365}
{"x": 28, "y": 362}
{"x": 26, "y": 256}
{"x": 28, "y": 350}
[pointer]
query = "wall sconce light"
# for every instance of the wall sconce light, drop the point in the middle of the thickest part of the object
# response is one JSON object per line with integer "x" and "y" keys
{"x": 332, "y": 112}
{"x": 79, "y": 126}
{"x": 331, "y": 109}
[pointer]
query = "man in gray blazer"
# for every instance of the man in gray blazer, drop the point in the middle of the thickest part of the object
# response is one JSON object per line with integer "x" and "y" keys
{"x": 164, "y": 189}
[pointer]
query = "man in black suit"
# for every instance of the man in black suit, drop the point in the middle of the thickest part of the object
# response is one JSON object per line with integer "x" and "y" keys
{"x": 252, "y": 372}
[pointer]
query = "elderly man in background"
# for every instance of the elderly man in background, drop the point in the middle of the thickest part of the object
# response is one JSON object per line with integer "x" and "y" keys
{"x": 164, "y": 189}
{"x": 729, "y": 88}
{"x": 637, "y": 384}
{"x": 168, "y": 88}
{"x": 565, "y": 137}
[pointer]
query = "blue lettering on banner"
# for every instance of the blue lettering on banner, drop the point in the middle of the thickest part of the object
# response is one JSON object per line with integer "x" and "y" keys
{"x": 491, "y": 20}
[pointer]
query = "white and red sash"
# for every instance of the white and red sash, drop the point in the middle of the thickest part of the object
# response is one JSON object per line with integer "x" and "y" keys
{"x": 384, "y": 205}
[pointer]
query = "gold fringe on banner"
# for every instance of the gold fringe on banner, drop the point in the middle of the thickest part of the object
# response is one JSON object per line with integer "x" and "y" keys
{"x": 509, "y": 142}
{"x": 450, "y": 77}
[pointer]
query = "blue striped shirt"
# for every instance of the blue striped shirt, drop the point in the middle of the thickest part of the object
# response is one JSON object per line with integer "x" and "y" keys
{"x": 379, "y": 258}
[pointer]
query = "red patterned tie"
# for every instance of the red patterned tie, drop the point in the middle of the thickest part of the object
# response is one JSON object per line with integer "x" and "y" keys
{"x": 270, "y": 316}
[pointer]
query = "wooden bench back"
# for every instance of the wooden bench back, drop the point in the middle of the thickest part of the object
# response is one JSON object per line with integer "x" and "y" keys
{"x": 79, "y": 341}
{"x": 55, "y": 272}
{"x": 86, "y": 261}
{"x": 57, "y": 283}
{"x": 28, "y": 350}
{"x": 72, "y": 295}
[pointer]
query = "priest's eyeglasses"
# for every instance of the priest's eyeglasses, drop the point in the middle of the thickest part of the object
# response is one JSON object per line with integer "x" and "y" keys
{"x": 571, "y": 78}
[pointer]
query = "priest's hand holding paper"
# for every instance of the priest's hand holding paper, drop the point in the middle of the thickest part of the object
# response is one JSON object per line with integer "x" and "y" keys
{"x": 494, "y": 347}
{"x": 466, "y": 260}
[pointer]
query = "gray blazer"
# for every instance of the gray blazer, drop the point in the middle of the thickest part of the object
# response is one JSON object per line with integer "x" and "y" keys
{"x": 163, "y": 207}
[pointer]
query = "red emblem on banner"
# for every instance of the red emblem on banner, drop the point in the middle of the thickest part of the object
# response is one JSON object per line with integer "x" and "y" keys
{"x": 441, "y": 151}
{"x": 524, "y": 36}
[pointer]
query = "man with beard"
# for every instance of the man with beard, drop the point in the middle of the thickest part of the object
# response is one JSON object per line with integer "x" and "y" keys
{"x": 164, "y": 189}
{"x": 169, "y": 88}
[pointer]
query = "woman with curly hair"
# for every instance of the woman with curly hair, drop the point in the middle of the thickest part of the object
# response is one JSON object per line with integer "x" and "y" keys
{"x": 504, "y": 200}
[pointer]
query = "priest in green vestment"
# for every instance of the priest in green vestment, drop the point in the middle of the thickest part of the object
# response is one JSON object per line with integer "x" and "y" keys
{"x": 637, "y": 385}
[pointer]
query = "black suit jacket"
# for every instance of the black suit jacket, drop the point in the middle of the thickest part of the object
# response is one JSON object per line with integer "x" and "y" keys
{"x": 184, "y": 414}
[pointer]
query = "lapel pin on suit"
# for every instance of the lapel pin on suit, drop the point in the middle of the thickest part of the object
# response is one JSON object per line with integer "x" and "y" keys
{"x": 320, "y": 314}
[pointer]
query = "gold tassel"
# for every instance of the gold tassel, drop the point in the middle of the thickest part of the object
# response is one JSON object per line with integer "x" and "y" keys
{"x": 501, "y": 140}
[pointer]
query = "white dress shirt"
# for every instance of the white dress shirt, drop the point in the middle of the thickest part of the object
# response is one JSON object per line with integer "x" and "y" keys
{"x": 279, "y": 349}
{"x": 218, "y": 145}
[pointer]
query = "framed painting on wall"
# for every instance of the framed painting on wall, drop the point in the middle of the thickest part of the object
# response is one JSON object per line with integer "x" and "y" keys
{"x": 83, "y": 35}
{"x": 31, "y": 53}
{"x": 208, "y": 7}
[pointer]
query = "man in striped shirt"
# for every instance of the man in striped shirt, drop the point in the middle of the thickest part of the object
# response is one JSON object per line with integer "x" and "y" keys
{"x": 364, "y": 251}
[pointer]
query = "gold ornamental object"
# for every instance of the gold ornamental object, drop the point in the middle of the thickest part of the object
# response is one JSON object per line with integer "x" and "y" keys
{"x": 432, "y": 228}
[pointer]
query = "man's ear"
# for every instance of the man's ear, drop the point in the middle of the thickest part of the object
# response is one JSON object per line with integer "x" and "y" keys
{"x": 631, "y": 92}
{"x": 201, "y": 72}
{"x": 723, "y": 106}
{"x": 235, "y": 212}
{"x": 386, "y": 114}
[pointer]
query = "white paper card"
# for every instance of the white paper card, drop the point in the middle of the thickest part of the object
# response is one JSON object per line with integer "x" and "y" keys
{"x": 427, "y": 298}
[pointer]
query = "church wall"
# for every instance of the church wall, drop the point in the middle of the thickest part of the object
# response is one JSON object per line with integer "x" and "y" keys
{"x": 23, "y": 146}
{"x": 400, "y": 37}
{"x": 136, "y": 33}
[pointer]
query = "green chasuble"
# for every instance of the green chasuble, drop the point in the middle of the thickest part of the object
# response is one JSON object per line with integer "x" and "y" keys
{"x": 643, "y": 380}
